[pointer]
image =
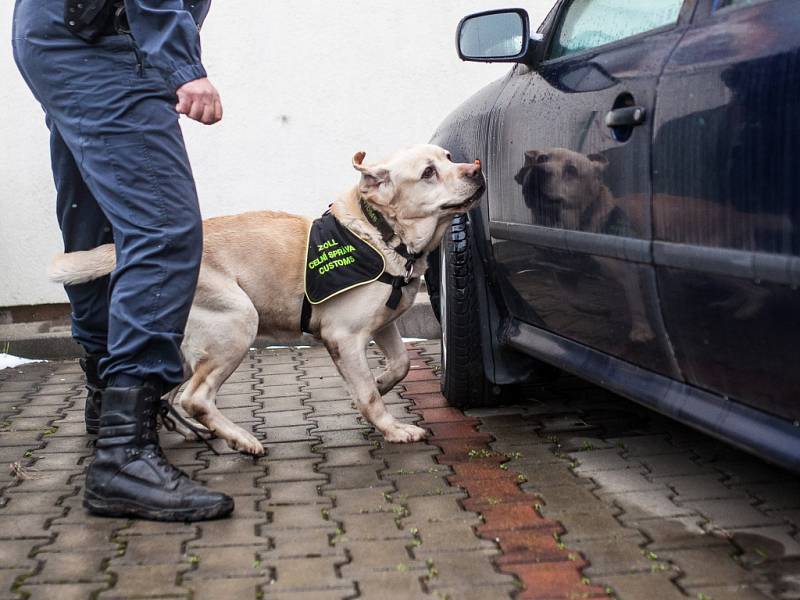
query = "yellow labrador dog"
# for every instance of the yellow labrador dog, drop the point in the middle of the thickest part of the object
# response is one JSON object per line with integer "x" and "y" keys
{"x": 252, "y": 281}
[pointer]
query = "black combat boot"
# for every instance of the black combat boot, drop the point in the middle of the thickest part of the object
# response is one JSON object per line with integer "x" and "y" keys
{"x": 130, "y": 476}
{"x": 94, "y": 389}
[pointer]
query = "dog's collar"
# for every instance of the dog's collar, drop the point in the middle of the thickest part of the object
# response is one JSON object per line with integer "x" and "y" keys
{"x": 379, "y": 222}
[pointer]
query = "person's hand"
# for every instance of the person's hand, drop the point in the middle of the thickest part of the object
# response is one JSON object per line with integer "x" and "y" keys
{"x": 199, "y": 100}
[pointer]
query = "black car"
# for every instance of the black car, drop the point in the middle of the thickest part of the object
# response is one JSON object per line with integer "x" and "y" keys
{"x": 641, "y": 224}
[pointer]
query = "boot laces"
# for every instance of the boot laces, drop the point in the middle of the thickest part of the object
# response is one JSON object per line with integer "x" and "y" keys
{"x": 153, "y": 448}
{"x": 161, "y": 460}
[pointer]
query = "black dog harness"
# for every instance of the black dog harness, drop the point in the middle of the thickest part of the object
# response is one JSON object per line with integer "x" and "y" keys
{"x": 337, "y": 260}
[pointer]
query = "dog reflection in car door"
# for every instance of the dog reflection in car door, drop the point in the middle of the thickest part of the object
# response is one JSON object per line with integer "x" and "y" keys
{"x": 565, "y": 189}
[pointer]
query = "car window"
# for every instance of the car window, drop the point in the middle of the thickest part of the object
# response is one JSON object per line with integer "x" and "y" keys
{"x": 587, "y": 24}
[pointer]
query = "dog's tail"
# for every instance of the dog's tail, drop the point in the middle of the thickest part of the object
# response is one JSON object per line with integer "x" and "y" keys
{"x": 80, "y": 267}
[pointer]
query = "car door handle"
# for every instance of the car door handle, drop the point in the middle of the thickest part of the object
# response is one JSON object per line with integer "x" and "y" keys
{"x": 630, "y": 116}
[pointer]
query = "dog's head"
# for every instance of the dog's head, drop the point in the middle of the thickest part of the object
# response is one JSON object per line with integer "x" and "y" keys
{"x": 420, "y": 183}
{"x": 561, "y": 183}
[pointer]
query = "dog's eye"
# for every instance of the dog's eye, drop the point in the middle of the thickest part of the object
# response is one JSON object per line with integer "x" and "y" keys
{"x": 449, "y": 157}
{"x": 542, "y": 158}
{"x": 570, "y": 171}
{"x": 428, "y": 173}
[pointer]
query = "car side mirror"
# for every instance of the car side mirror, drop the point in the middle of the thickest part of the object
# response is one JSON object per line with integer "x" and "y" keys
{"x": 496, "y": 36}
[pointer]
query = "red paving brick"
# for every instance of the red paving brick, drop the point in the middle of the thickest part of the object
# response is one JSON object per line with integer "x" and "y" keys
{"x": 422, "y": 387}
{"x": 543, "y": 554}
{"x": 422, "y": 375}
{"x": 535, "y": 541}
{"x": 459, "y": 429}
{"x": 461, "y": 450}
{"x": 467, "y": 471}
{"x": 440, "y": 415}
{"x": 430, "y": 401}
{"x": 507, "y": 517}
{"x": 553, "y": 580}
{"x": 530, "y": 544}
{"x": 490, "y": 492}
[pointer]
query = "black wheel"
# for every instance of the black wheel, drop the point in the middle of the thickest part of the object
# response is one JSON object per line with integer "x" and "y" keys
{"x": 464, "y": 382}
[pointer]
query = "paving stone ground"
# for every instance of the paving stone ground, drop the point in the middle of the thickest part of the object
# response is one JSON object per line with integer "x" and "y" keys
{"x": 567, "y": 493}
{"x": 657, "y": 509}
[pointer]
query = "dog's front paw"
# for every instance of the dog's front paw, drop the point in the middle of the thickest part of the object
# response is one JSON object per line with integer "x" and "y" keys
{"x": 404, "y": 433}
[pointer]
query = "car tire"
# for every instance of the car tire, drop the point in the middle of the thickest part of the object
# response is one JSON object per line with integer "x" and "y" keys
{"x": 463, "y": 379}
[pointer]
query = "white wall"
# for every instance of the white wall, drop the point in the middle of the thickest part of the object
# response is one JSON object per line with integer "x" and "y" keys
{"x": 304, "y": 86}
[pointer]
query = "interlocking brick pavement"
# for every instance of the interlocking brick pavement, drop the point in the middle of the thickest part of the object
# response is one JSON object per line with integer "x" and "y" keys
{"x": 658, "y": 510}
{"x": 568, "y": 493}
{"x": 330, "y": 512}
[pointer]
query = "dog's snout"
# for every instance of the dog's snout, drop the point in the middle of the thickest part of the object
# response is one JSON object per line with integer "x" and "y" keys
{"x": 473, "y": 171}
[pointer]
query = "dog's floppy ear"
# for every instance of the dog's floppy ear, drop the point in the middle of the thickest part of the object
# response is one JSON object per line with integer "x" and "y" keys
{"x": 530, "y": 157}
{"x": 530, "y": 160}
{"x": 374, "y": 180}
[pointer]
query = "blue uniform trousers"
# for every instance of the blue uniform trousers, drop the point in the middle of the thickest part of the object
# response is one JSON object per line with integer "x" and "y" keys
{"x": 122, "y": 174}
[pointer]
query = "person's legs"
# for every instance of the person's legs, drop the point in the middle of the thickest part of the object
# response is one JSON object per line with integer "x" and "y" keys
{"x": 120, "y": 125}
{"x": 137, "y": 167}
{"x": 83, "y": 226}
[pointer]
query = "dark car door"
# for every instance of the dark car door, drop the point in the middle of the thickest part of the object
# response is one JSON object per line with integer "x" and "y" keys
{"x": 570, "y": 186}
{"x": 726, "y": 162}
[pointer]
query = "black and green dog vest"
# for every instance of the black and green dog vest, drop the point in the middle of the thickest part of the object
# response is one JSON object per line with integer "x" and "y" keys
{"x": 337, "y": 260}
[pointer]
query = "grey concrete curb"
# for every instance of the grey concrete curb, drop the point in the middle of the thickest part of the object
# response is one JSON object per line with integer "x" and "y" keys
{"x": 49, "y": 340}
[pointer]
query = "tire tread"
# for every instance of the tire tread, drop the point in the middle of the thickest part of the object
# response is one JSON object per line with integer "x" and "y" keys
{"x": 464, "y": 382}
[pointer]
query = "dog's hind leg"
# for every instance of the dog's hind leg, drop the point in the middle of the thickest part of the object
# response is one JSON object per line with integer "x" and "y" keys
{"x": 216, "y": 344}
{"x": 188, "y": 434}
{"x": 349, "y": 355}
{"x": 397, "y": 362}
